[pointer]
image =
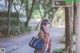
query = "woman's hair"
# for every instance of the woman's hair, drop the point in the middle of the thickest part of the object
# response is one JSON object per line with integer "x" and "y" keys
{"x": 44, "y": 22}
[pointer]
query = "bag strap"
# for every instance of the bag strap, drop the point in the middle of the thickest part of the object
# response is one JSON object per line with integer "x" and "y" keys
{"x": 37, "y": 42}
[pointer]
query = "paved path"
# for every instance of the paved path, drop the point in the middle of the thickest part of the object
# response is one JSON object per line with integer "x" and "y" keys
{"x": 20, "y": 45}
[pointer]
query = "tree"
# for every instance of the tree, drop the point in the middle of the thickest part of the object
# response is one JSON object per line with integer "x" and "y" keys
{"x": 69, "y": 29}
{"x": 43, "y": 5}
{"x": 78, "y": 30}
{"x": 18, "y": 6}
{"x": 9, "y": 15}
{"x": 29, "y": 13}
{"x": 75, "y": 20}
{"x": 47, "y": 6}
{"x": 18, "y": 3}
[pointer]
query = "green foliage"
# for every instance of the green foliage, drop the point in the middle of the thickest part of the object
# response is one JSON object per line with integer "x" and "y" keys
{"x": 15, "y": 30}
{"x": 30, "y": 3}
{"x": 14, "y": 13}
{"x": 44, "y": 6}
{"x": 74, "y": 38}
{"x": 14, "y": 21}
{"x": 4, "y": 21}
{"x": 59, "y": 51}
{"x": 25, "y": 29}
{"x": 36, "y": 14}
{"x": 3, "y": 30}
{"x": 22, "y": 28}
{"x": 29, "y": 28}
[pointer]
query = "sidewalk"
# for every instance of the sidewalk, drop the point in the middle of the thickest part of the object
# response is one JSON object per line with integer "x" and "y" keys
{"x": 12, "y": 44}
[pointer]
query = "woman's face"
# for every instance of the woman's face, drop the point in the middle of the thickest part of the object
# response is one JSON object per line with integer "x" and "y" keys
{"x": 48, "y": 26}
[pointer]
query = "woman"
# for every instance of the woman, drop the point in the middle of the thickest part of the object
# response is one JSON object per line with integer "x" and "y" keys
{"x": 44, "y": 34}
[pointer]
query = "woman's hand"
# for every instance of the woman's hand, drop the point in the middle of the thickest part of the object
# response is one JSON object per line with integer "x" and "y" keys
{"x": 46, "y": 29}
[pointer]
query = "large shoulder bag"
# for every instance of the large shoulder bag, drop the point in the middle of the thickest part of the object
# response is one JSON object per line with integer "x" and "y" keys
{"x": 36, "y": 43}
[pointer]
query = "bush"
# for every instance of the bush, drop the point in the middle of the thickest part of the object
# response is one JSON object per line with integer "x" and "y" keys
{"x": 59, "y": 51}
{"x": 4, "y": 31}
{"x": 14, "y": 21}
{"x": 3, "y": 21}
{"x": 24, "y": 29}
{"x": 15, "y": 30}
{"x": 29, "y": 28}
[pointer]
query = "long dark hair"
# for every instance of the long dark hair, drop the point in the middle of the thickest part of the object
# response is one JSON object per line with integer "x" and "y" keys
{"x": 44, "y": 22}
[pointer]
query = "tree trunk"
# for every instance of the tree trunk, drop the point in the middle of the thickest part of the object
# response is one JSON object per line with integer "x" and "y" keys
{"x": 17, "y": 12}
{"x": 9, "y": 15}
{"x": 18, "y": 18}
{"x": 71, "y": 14}
{"x": 74, "y": 23}
{"x": 68, "y": 31}
{"x": 5, "y": 3}
{"x": 30, "y": 14}
{"x": 78, "y": 30}
{"x": 67, "y": 27}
